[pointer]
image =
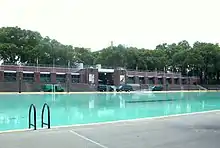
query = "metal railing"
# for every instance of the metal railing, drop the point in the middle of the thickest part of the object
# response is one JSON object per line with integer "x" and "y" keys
{"x": 75, "y": 67}
{"x": 30, "y": 124}
{"x": 35, "y": 117}
{"x": 48, "y": 116}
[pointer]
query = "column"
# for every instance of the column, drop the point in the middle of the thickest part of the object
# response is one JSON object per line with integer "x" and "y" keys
{"x": 53, "y": 77}
{"x": 83, "y": 76}
{"x": 37, "y": 77}
{"x": 155, "y": 80}
{"x": 164, "y": 80}
{"x": 1, "y": 76}
{"x": 96, "y": 76}
{"x": 191, "y": 81}
{"x": 117, "y": 77}
{"x": 172, "y": 80}
{"x": 68, "y": 81}
{"x": 19, "y": 79}
{"x": 180, "y": 80}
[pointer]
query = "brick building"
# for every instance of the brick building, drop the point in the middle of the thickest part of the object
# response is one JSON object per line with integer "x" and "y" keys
{"x": 30, "y": 78}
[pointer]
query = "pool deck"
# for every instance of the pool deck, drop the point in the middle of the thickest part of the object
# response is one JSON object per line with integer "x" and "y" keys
{"x": 200, "y": 130}
{"x": 97, "y": 92}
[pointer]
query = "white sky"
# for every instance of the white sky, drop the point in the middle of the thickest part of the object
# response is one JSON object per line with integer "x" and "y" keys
{"x": 95, "y": 23}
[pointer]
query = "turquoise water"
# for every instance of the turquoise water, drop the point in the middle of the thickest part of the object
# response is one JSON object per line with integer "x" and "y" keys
{"x": 71, "y": 109}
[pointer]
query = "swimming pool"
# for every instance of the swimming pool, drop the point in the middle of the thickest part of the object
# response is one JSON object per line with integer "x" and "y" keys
{"x": 68, "y": 109}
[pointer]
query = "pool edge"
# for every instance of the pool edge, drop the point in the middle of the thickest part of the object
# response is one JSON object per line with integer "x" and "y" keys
{"x": 112, "y": 122}
{"x": 96, "y": 92}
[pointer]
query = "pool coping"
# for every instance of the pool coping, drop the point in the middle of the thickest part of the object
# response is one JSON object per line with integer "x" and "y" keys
{"x": 97, "y": 92}
{"x": 113, "y": 122}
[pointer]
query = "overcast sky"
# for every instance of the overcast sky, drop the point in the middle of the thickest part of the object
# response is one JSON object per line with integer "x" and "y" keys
{"x": 95, "y": 23}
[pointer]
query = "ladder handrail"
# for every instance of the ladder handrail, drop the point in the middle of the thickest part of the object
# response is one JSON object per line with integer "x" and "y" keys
{"x": 48, "y": 116}
{"x": 35, "y": 117}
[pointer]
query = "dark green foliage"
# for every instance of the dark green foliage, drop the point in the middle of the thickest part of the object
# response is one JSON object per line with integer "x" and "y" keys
{"x": 25, "y": 46}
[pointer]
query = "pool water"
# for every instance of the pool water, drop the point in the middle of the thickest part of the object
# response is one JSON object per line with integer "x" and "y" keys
{"x": 68, "y": 109}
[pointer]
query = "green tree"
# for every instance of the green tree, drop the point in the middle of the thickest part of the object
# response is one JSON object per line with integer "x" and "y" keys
{"x": 26, "y": 46}
{"x": 17, "y": 44}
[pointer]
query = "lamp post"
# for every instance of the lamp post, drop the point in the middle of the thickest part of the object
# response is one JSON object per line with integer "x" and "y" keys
{"x": 19, "y": 89}
{"x": 19, "y": 81}
{"x": 188, "y": 79}
{"x": 37, "y": 64}
{"x": 68, "y": 77}
{"x": 164, "y": 77}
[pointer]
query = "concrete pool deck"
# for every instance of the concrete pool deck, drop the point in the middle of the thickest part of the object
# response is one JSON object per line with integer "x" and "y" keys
{"x": 97, "y": 92}
{"x": 199, "y": 130}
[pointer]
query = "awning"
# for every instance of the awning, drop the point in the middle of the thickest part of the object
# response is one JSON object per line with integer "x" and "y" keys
{"x": 106, "y": 70}
{"x": 45, "y": 73}
{"x": 75, "y": 74}
{"x": 60, "y": 73}
{"x": 8, "y": 71}
{"x": 29, "y": 72}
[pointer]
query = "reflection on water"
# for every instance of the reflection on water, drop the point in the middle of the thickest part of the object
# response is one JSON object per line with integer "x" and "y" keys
{"x": 90, "y": 108}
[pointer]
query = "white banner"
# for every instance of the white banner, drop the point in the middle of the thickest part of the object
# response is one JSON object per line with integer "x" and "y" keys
{"x": 122, "y": 79}
{"x": 91, "y": 78}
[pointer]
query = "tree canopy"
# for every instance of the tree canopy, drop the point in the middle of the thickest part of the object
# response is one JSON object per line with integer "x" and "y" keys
{"x": 26, "y": 46}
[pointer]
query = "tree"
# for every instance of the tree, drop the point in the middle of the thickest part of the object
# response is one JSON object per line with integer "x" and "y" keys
{"x": 26, "y": 46}
{"x": 17, "y": 44}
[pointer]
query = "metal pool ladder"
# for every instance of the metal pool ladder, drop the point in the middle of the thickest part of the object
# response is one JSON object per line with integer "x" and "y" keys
{"x": 48, "y": 116}
{"x": 35, "y": 117}
{"x": 32, "y": 106}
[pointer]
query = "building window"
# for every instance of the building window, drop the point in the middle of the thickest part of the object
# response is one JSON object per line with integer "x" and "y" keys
{"x": 45, "y": 78}
{"x": 176, "y": 81}
{"x": 75, "y": 78}
{"x": 160, "y": 81}
{"x": 28, "y": 77}
{"x": 184, "y": 81}
{"x": 9, "y": 76}
{"x": 130, "y": 80}
{"x": 141, "y": 79}
{"x": 61, "y": 78}
{"x": 169, "y": 81}
{"x": 151, "y": 80}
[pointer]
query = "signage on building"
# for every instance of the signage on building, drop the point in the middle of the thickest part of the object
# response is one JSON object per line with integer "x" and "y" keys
{"x": 91, "y": 78}
{"x": 122, "y": 79}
